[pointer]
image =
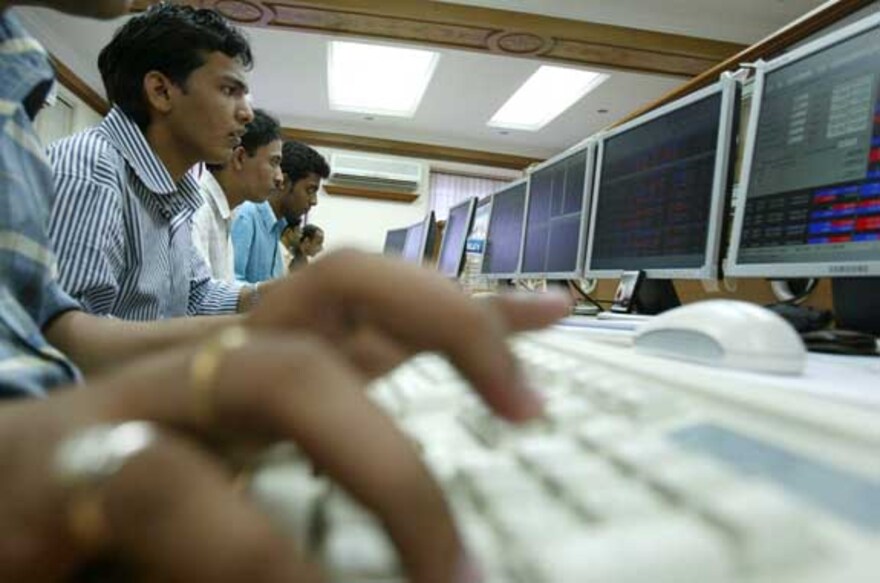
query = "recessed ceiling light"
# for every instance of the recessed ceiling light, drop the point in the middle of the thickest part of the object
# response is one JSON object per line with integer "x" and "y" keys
{"x": 547, "y": 93}
{"x": 378, "y": 79}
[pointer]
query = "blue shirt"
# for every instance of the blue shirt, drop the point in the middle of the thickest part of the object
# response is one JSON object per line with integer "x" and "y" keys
{"x": 256, "y": 234}
{"x": 30, "y": 296}
{"x": 123, "y": 229}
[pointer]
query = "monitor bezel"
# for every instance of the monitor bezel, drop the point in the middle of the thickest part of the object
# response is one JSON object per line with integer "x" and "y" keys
{"x": 733, "y": 266}
{"x": 505, "y": 275}
{"x": 709, "y": 270}
{"x": 471, "y": 203}
{"x": 588, "y": 145}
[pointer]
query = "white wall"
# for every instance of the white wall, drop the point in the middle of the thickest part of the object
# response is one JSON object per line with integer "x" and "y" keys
{"x": 362, "y": 223}
{"x": 64, "y": 115}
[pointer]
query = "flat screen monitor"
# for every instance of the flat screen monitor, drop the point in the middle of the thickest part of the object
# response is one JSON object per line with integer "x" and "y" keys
{"x": 661, "y": 189}
{"x": 455, "y": 235}
{"x": 504, "y": 235}
{"x": 557, "y": 206}
{"x": 430, "y": 237}
{"x": 811, "y": 169}
{"x": 419, "y": 240}
{"x": 395, "y": 240}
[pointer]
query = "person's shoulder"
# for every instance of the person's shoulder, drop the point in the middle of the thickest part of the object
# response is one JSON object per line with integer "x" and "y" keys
{"x": 88, "y": 154}
{"x": 247, "y": 210}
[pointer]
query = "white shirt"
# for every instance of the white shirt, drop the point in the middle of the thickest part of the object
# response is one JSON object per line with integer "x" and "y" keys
{"x": 212, "y": 229}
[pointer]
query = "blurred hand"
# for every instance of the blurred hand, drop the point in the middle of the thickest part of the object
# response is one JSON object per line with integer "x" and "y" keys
{"x": 380, "y": 312}
{"x": 172, "y": 510}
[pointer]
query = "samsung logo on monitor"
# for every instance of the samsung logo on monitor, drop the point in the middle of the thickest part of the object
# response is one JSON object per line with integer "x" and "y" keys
{"x": 836, "y": 269}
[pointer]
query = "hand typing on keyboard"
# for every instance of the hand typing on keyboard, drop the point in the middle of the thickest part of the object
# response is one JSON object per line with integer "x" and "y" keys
{"x": 309, "y": 389}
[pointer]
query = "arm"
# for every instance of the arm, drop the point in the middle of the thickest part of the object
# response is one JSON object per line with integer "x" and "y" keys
{"x": 86, "y": 231}
{"x": 96, "y": 344}
{"x": 208, "y": 296}
{"x": 201, "y": 226}
{"x": 242, "y": 238}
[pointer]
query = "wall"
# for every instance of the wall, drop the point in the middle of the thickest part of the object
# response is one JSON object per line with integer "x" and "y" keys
{"x": 362, "y": 223}
{"x": 66, "y": 114}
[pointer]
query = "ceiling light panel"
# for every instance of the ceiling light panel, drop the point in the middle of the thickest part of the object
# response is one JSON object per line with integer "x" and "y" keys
{"x": 547, "y": 93}
{"x": 378, "y": 79}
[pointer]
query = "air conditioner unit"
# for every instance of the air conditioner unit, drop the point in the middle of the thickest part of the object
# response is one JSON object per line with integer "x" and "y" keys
{"x": 376, "y": 172}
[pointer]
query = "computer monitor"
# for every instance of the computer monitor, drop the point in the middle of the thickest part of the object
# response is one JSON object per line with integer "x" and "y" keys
{"x": 419, "y": 240}
{"x": 661, "y": 188}
{"x": 810, "y": 206}
{"x": 557, "y": 205}
{"x": 504, "y": 235}
{"x": 430, "y": 237}
{"x": 395, "y": 239}
{"x": 455, "y": 235}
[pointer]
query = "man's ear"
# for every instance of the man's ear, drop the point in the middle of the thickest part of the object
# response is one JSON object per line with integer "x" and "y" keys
{"x": 158, "y": 90}
{"x": 238, "y": 156}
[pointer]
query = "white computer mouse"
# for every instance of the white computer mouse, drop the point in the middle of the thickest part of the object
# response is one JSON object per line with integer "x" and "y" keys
{"x": 726, "y": 333}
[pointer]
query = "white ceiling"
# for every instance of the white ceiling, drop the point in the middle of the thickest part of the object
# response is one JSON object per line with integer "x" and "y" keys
{"x": 289, "y": 78}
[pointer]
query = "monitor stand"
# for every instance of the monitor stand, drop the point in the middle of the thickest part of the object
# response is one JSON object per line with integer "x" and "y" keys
{"x": 857, "y": 303}
{"x": 654, "y": 296}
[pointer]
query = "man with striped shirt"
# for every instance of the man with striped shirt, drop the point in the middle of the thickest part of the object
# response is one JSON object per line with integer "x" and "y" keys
{"x": 122, "y": 220}
{"x": 157, "y": 483}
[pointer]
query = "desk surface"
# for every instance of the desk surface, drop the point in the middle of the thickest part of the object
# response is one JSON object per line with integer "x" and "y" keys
{"x": 850, "y": 379}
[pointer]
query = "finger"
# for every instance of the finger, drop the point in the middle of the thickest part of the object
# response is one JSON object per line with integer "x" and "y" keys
{"x": 174, "y": 516}
{"x": 280, "y": 387}
{"x": 323, "y": 409}
{"x": 373, "y": 353}
{"x": 521, "y": 312}
{"x": 420, "y": 310}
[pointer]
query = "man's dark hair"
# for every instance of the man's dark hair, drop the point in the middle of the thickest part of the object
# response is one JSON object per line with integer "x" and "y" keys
{"x": 309, "y": 232}
{"x": 299, "y": 160}
{"x": 171, "y": 39}
{"x": 263, "y": 130}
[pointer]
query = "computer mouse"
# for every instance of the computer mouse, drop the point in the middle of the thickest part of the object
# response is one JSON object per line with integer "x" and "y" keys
{"x": 726, "y": 333}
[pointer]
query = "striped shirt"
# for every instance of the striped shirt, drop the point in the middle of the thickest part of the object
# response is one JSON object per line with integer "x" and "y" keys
{"x": 30, "y": 296}
{"x": 256, "y": 236}
{"x": 123, "y": 229}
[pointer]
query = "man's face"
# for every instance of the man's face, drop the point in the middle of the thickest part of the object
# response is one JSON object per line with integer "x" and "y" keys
{"x": 209, "y": 112}
{"x": 261, "y": 173}
{"x": 313, "y": 246}
{"x": 92, "y": 8}
{"x": 300, "y": 197}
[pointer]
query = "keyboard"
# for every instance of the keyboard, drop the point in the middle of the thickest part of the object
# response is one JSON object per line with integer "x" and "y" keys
{"x": 641, "y": 470}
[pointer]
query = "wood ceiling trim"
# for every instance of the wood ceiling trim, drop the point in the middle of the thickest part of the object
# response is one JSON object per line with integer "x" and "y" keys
{"x": 79, "y": 87}
{"x": 409, "y": 149}
{"x": 483, "y": 29}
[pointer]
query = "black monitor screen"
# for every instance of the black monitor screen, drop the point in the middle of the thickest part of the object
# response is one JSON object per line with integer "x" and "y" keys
{"x": 555, "y": 217}
{"x": 656, "y": 191}
{"x": 813, "y": 195}
{"x": 431, "y": 237}
{"x": 458, "y": 225}
{"x": 501, "y": 256}
{"x": 395, "y": 240}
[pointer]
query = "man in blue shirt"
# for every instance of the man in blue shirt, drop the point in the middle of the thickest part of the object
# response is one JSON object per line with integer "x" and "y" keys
{"x": 257, "y": 227}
